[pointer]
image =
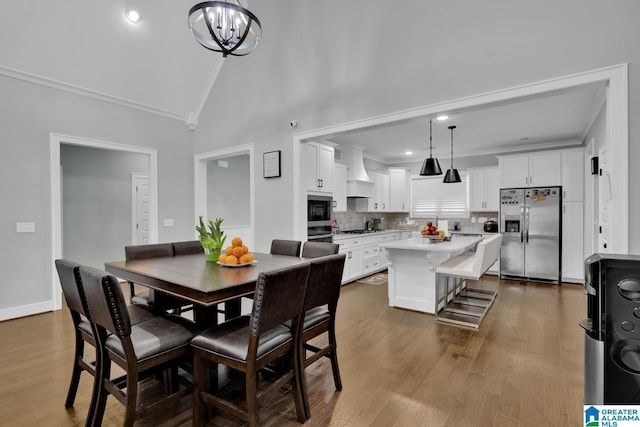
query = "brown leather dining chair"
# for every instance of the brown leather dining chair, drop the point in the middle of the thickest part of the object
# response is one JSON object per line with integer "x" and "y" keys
{"x": 189, "y": 247}
{"x": 157, "y": 302}
{"x": 73, "y": 291}
{"x": 318, "y": 249}
{"x": 249, "y": 343}
{"x": 321, "y": 302}
{"x": 285, "y": 247}
{"x": 141, "y": 350}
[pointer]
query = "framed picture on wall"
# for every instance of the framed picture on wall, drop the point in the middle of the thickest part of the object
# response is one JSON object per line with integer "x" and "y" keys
{"x": 271, "y": 164}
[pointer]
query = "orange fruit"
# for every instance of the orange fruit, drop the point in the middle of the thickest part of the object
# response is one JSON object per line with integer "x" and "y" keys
{"x": 238, "y": 251}
{"x": 246, "y": 249}
{"x": 236, "y": 241}
{"x": 246, "y": 259}
{"x": 222, "y": 258}
{"x": 231, "y": 259}
{"x": 249, "y": 256}
{"x": 229, "y": 250}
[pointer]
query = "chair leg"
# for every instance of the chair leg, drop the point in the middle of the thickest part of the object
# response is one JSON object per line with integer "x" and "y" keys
{"x": 132, "y": 398}
{"x": 200, "y": 380}
{"x": 334, "y": 357}
{"x": 75, "y": 374}
{"x": 252, "y": 398}
{"x": 100, "y": 394}
{"x": 299, "y": 389}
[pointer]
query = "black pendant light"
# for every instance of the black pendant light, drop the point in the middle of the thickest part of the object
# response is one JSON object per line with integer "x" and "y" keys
{"x": 430, "y": 166}
{"x": 452, "y": 174}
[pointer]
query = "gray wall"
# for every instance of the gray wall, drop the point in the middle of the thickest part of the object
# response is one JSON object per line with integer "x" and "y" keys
{"x": 96, "y": 208}
{"x": 228, "y": 191}
{"x": 28, "y": 114}
{"x": 335, "y": 62}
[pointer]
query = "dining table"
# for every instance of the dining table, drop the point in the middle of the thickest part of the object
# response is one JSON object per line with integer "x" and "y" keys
{"x": 203, "y": 283}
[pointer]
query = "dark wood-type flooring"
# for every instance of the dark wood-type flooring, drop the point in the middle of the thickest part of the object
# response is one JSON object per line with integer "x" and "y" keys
{"x": 524, "y": 366}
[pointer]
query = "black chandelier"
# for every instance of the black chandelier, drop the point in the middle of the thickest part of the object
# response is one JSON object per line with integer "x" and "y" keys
{"x": 452, "y": 174}
{"x": 225, "y": 26}
{"x": 430, "y": 166}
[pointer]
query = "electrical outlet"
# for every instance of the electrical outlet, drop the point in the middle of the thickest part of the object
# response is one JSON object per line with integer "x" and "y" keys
{"x": 25, "y": 227}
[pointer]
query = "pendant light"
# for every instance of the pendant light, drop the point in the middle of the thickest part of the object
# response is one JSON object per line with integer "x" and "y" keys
{"x": 452, "y": 174}
{"x": 430, "y": 166}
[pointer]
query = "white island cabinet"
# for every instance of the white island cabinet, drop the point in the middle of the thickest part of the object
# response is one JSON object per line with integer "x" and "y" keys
{"x": 412, "y": 269}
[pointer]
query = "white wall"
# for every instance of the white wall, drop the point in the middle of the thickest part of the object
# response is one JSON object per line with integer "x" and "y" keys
{"x": 335, "y": 62}
{"x": 228, "y": 191}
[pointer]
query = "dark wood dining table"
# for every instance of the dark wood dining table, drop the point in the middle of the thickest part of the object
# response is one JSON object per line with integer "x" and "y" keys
{"x": 205, "y": 284}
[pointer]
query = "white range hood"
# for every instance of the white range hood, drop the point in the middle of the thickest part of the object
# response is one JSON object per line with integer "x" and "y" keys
{"x": 358, "y": 182}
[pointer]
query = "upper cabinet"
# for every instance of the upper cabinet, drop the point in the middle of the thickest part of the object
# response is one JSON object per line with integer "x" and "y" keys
{"x": 484, "y": 189}
{"x": 339, "y": 187}
{"x": 534, "y": 170}
{"x": 317, "y": 167}
{"x": 399, "y": 190}
{"x": 380, "y": 200}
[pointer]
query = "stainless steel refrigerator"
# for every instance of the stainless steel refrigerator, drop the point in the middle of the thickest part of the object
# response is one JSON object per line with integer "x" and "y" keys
{"x": 531, "y": 227}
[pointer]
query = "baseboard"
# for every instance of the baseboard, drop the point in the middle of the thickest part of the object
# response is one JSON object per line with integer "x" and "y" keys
{"x": 25, "y": 310}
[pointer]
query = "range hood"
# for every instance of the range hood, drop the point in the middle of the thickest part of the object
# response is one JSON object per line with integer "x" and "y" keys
{"x": 358, "y": 182}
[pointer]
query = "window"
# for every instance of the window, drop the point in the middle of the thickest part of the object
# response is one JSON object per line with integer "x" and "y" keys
{"x": 431, "y": 197}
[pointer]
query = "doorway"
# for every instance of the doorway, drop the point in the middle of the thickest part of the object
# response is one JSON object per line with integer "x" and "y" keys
{"x": 224, "y": 187}
{"x": 56, "y": 141}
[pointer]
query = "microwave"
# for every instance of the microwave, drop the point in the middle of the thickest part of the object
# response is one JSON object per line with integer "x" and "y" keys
{"x": 319, "y": 212}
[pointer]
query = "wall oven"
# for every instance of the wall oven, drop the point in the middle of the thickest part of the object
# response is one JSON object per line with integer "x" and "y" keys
{"x": 319, "y": 217}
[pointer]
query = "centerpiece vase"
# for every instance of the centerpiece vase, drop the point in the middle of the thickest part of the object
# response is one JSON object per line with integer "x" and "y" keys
{"x": 211, "y": 254}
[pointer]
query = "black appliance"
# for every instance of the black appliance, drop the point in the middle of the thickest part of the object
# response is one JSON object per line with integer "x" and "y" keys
{"x": 612, "y": 330}
{"x": 319, "y": 213}
{"x": 491, "y": 226}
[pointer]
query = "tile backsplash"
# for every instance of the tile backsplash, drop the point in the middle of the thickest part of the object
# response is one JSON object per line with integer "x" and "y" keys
{"x": 352, "y": 220}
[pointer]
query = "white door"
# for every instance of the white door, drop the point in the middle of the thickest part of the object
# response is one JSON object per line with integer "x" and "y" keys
{"x": 140, "y": 208}
{"x": 604, "y": 199}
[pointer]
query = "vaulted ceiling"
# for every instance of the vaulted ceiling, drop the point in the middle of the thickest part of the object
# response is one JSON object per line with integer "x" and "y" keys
{"x": 89, "y": 47}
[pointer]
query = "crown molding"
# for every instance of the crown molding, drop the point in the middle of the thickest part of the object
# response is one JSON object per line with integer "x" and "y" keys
{"x": 77, "y": 90}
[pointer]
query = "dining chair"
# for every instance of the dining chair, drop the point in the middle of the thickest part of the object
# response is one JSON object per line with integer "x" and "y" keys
{"x": 73, "y": 291}
{"x": 156, "y": 301}
{"x": 285, "y": 247}
{"x": 189, "y": 247}
{"x": 318, "y": 249}
{"x": 249, "y": 343}
{"x": 141, "y": 350}
{"x": 321, "y": 302}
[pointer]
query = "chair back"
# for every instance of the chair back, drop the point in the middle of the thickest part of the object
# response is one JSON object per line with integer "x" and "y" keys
{"x": 318, "y": 249}
{"x": 279, "y": 297}
{"x": 154, "y": 250}
{"x": 487, "y": 252}
{"x": 188, "y": 248}
{"x": 105, "y": 301}
{"x": 69, "y": 274}
{"x": 325, "y": 280}
{"x": 285, "y": 247}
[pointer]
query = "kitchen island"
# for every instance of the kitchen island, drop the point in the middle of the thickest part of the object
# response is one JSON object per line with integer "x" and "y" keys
{"x": 412, "y": 269}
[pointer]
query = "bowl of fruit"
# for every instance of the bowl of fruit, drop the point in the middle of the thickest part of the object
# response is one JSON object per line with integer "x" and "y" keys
{"x": 431, "y": 232}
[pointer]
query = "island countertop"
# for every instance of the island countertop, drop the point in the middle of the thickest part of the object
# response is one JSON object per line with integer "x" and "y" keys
{"x": 457, "y": 244}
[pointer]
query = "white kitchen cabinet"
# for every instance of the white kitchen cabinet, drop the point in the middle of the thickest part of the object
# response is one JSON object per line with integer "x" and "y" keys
{"x": 573, "y": 176}
{"x": 317, "y": 167}
{"x": 534, "y": 170}
{"x": 380, "y": 200}
{"x": 398, "y": 190}
{"x": 339, "y": 187}
{"x": 352, "y": 248}
{"x": 485, "y": 189}
{"x": 573, "y": 241}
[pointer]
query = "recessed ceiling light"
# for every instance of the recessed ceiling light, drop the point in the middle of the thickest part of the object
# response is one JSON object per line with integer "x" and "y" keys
{"x": 408, "y": 153}
{"x": 442, "y": 117}
{"x": 132, "y": 16}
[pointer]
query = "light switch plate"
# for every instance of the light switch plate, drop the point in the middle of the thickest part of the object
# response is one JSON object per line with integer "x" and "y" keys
{"x": 25, "y": 227}
{"x": 168, "y": 222}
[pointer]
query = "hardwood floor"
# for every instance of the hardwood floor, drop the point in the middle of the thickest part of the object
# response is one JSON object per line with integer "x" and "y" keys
{"x": 524, "y": 366}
